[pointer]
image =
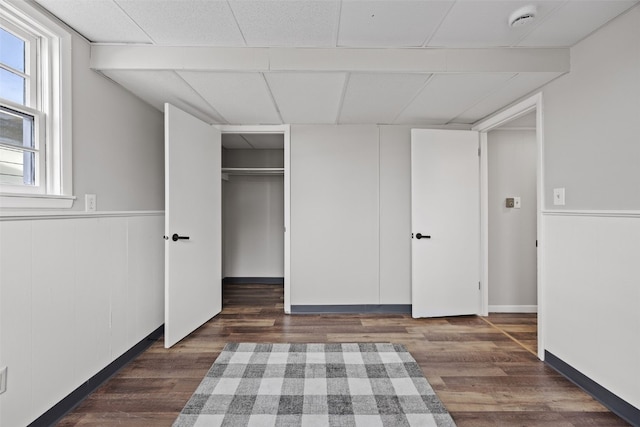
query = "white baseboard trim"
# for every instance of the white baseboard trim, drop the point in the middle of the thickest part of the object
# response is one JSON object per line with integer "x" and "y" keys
{"x": 513, "y": 309}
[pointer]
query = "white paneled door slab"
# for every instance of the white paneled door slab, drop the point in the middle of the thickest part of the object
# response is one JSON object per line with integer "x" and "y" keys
{"x": 193, "y": 224}
{"x": 445, "y": 222}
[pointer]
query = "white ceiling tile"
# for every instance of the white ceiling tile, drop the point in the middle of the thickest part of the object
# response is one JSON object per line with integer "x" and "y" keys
{"x": 448, "y": 95}
{"x": 511, "y": 91}
{"x": 574, "y": 21}
{"x": 389, "y": 23}
{"x": 97, "y": 20}
{"x": 158, "y": 87}
{"x": 185, "y": 23}
{"x": 234, "y": 141}
{"x": 265, "y": 141}
{"x": 378, "y": 98}
{"x": 287, "y": 23}
{"x": 241, "y": 98}
{"x": 485, "y": 23}
{"x": 307, "y": 97}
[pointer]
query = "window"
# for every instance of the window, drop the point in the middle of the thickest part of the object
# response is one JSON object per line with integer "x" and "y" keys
{"x": 19, "y": 117}
{"x": 35, "y": 97}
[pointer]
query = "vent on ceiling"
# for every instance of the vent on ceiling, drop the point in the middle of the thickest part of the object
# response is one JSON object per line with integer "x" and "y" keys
{"x": 523, "y": 16}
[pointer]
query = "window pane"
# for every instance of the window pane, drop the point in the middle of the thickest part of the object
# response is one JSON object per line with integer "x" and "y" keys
{"x": 17, "y": 167}
{"x": 11, "y": 87}
{"x": 11, "y": 50}
{"x": 16, "y": 128}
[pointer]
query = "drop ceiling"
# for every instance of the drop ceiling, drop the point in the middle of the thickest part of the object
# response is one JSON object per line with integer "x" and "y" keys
{"x": 441, "y": 63}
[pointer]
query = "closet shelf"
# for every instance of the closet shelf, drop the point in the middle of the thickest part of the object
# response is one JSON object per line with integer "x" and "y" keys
{"x": 253, "y": 171}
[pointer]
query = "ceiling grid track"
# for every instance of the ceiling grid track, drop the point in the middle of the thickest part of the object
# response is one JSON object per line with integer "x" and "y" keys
{"x": 337, "y": 33}
{"x": 539, "y": 22}
{"x": 342, "y": 96}
{"x": 340, "y": 63}
{"x": 273, "y": 99}
{"x": 413, "y": 98}
{"x": 248, "y": 142}
{"x": 235, "y": 19}
{"x": 426, "y": 42}
{"x": 486, "y": 96}
{"x": 605, "y": 23}
{"x": 115, "y": 2}
{"x": 215, "y": 111}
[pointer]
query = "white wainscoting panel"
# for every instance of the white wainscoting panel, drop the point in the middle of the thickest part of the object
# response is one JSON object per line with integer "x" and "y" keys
{"x": 592, "y": 296}
{"x": 76, "y": 292}
{"x": 146, "y": 284}
{"x": 53, "y": 303}
{"x": 122, "y": 306}
{"x": 91, "y": 286}
{"x": 15, "y": 319}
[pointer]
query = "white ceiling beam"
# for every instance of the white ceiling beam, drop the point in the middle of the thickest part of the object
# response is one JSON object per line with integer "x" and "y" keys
{"x": 249, "y": 59}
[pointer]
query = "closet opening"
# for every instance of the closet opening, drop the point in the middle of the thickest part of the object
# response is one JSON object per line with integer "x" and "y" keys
{"x": 253, "y": 210}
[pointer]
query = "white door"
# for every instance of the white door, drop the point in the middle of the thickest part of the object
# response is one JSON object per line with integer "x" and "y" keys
{"x": 445, "y": 221}
{"x": 193, "y": 244}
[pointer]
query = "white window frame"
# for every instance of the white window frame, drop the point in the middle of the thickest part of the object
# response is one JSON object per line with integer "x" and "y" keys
{"x": 51, "y": 109}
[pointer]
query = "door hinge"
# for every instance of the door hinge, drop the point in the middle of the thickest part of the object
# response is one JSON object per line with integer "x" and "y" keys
{"x": 478, "y": 285}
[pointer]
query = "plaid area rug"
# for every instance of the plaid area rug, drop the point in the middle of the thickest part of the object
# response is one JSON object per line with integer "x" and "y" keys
{"x": 285, "y": 385}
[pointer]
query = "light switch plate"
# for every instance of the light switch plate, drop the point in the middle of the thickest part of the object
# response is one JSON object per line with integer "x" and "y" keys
{"x": 558, "y": 196}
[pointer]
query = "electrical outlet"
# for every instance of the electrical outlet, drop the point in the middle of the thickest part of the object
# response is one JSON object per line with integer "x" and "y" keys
{"x": 516, "y": 202}
{"x": 90, "y": 202}
{"x": 3, "y": 379}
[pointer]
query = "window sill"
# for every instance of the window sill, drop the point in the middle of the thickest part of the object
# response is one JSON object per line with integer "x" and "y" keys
{"x": 35, "y": 201}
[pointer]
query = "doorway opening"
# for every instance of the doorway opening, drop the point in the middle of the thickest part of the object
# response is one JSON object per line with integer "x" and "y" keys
{"x": 512, "y": 282}
{"x": 255, "y": 206}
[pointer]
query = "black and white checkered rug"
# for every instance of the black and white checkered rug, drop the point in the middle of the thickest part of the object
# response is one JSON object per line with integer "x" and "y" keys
{"x": 320, "y": 385}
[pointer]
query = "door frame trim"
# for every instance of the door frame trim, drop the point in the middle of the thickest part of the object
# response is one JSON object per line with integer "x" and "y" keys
{"x": 532, "y": 103}
{"x": 285, "y": 130}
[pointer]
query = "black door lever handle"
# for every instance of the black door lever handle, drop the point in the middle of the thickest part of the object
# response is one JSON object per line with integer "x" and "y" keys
{"x": 422, "y": 236}
{"x": 175, "y": 237}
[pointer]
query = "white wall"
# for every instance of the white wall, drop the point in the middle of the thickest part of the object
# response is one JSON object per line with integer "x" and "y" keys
{"x": 253, "y": 216}
{"x": 512, "y": 232}
{"x": 351, "y": 214}
{"x": 75, "y": 294}
{"x": 334, "y": 215}
{"x": 118, "y": 142}
{"x": 253, "y": 226}
{"x": 590, "y": 121}
{"x": 76, "y": 290}
{"x": 395, "y": 214}
{"x": 590, "y": 271}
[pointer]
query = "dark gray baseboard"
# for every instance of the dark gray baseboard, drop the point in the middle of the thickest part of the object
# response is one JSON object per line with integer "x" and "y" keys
{"x": 352, "y": 309}
{"x": 73, "y": 399}
{"x": 252, "y": 280}
{"x": 618, "y": 406}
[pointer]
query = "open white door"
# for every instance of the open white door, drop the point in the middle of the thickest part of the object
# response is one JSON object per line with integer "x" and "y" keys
{"x": 193, "y": 244}
{"x": 445, "y": 221}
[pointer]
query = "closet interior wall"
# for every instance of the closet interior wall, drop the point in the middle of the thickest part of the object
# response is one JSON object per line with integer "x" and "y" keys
{"x": 252, "y": 214}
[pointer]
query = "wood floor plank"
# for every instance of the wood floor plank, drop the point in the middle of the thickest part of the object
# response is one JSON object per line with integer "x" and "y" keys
{"x": 481, "y": 371}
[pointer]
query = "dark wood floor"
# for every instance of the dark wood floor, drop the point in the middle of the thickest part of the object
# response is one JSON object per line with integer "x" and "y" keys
{"x": 482, "y": 369}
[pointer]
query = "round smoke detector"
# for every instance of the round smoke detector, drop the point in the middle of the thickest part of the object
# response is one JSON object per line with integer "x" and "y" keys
{"x": 523, "y": 16}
